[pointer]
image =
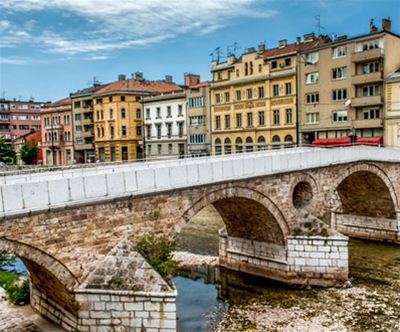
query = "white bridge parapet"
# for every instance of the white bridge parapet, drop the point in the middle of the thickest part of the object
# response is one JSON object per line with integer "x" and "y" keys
{"x": 40, "y": 191}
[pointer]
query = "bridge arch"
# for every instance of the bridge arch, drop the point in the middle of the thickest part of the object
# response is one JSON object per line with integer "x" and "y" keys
{"x": 246, "y": 213}
{"x": 364, "y": 189}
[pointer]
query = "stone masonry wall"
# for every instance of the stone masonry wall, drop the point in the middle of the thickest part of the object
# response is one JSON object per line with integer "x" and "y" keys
{"x": 368, "y": 227}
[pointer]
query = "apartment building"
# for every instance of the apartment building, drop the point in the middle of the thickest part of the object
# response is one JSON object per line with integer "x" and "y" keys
{"x": 57, "y": 137}
{"x": 253, "y": 98}
{"x": 198, "y": 118}
{"x": 341, "y": 90}
{"x": 165, "y": 125}
{"x": 392, "y": 109}
{"x": 18, "y": 118}
{"x": 83, "y": 122}
{"x": 117, "y": 112}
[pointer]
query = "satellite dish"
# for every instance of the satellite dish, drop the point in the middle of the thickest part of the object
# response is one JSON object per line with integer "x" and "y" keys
{"x": 348, "y": 102}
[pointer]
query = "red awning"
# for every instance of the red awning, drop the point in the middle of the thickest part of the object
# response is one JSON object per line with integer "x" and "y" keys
{"x": 332, "y": 141}
{"x": 370, "y": 141}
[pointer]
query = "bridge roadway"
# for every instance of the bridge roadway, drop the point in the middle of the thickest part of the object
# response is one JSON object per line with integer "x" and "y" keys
{"x": 40, "y": 191}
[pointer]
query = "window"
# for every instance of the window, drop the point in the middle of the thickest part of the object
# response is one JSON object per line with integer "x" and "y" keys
{"x": 249, "y": 93}
{"x": 274, "y": 64}
{"x": 275, "y": 88}
{"x": 169, "y": 112}
{"x": 159, "y": 149}
{"x": 372, "y": 114}
{"x": 138, "y": 113}
{"x": 99, "y": 101}
{"x": 169, "y": 130}
{"x": 288, "y": 88}
{"x": 219, "y": 76}
{"x": 196, "y": 120}
{"x": 122, "y": 98}
{"x": 137, "y": 98}
{"x": 149, "y": 149}
{"x": 339, "y": 94}
{"x": 312, "y": 118}
{"x": 78, "y": 128}
{"x": 260, "y": 68}
{"x": 288, "y": 62}
{"x": 148, "y": 131}
{"x": 147, "y": 113}
{"x": 239, "y": 145}
{"x": 180, "y": 129}
{"x": 169, "y": 148}
{"x": 312, "y": 98}
{"x": 123, "y": 113}
{"x": 180, "y": 110}
{"x": 102, "y": 132}
{"x": 237, "y": 72}
{"x": 249, "y": 119}
{"x": 251, "y": 67}
{"x": 111, "y": 113}
{"x": 78, "y": 117}
{"x": 260, "y": 92}
{"x": 238, "y": 95}
{"x": 158, "y": 129}
{"x": 276, "y": 117}
{"x": 138, "y": 130}
{"x": 249, "y": 144}
{"x": 113, "y": 153}
{"x": 312, "y": 58}
{"x": 218, "y": 122}
{"x": 261, "y": 144}
{"x": 373, "y": 67}
{"x": 339, "y": 52}
{"x": 112, "y": 131}
{"x": 24, "y": 117}
{"x": 196, "y": 102}
{"x": 217, "y": 98}
{"x": 370, "y": 45}
{"x": 110, "y": 99}
{"x": 218, "y": 149}
{"x": 226, "y": 97}
{"x": 238, "y": 120}
{"x": 158, "y": 112}
{"x": 197, "y": 139}
{"x": 338, "y": 73}
{"x": 246, "y": 68}
{"x": 371, "y": 90}
{"x": 123, "y": 130}
{"x": 340, "y": 116}
{"x": 289, "y": 116}
{"x": 227, "y": 121}
{"x": 312, "y": 78}
{"x": 23, "y": 127}
{"x": 261, "y": 118}
{"x": 77, "y": 104}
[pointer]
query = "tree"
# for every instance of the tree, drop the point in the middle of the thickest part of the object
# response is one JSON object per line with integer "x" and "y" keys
{"x": 7, "y": 154}
{"x": 29, "y": 152}
{"x": 6, "y": 260}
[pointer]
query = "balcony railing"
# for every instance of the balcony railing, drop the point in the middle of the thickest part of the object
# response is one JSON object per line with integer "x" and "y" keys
{"x": 367, "y": 78}
{"x": 366, "y": 101}
{"x": 368, "y": 123}
{"x": 366, "y": 55}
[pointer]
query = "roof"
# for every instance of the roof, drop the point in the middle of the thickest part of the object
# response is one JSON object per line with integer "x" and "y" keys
{"x": 62, "y": 102}
{"x": 200, "y": 85}
{"x": 131, "y": 85}
{"x": 89, "y": 90}
{"x": 393, "y": 76}
{"x": 290, "y": 48}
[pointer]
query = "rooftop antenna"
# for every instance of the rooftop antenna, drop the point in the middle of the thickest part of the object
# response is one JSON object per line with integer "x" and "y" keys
{"x": 319, "y": 26}
{"x": 217, "y": 54}
{"x": 3, "y": 94}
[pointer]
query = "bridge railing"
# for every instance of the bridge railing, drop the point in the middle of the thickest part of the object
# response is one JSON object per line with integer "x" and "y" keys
{"x": 53, "y": 191}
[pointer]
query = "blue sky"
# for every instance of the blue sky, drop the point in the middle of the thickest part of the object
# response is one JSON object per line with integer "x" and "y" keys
{"x": 49, "y": 48}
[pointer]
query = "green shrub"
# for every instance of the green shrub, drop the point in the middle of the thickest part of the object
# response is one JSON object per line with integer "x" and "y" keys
{"x": 157, "y": 250}
{"x": 18, "y": 294}
{"x": 7, "y": 278}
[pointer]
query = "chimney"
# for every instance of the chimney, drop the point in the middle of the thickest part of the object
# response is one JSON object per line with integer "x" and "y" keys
{"x": 191, "y": 79}
{"x": 168, "y": 78}
{"x": 261, "y": 47}
{"x": 386, "y": 24}
{"x": 251, "y": 49}
{"x": 372, "y": 27}
{"x": 121, "y": 77}
{"x": 298, "y": 40}
{"x": 309, "y": 37}
{"x": 139, "y": 76}
{"x": 282, "y": 43}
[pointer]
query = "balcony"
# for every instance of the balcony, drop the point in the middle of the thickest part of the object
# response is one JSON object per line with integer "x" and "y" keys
{"x": 88, "y": 133}
{"x": 367, "y": 55}
{"x": 54, "y": 126}
{"x": 85, "y": 146}
{"x": 371, "y": 123}
{"x": 87, "y": 121}
{"x": 367, "y": 78}
{"x": 366, "y": 101}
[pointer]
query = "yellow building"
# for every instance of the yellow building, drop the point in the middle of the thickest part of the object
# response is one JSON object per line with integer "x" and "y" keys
{"x": 117, "y": 113}
{"x": 253, "y": 98}
{"x": 392, "y": 109}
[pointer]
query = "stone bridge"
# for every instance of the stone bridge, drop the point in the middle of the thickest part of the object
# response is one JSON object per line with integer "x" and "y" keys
{"x": 286, "y": 214}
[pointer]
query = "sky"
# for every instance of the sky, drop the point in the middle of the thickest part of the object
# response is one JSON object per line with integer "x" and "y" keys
{"x": 50, "y": 48}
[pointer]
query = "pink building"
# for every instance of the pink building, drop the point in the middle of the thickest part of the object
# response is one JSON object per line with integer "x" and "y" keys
{"x": 57, "y": 138}
{"x": 18, "y": 118}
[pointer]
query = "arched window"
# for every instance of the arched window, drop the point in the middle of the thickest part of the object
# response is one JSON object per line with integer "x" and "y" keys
{"x": 276, "y": 142}
{"x": 227, "y": 146}
{"x": 249, "y": 144}
{"x": 288, "y": 141}
{"x": 239, "y": 145}
{"x": 261, "y": 144}
{"x": 218, "y": 149}
{"x": 98, "y": 131}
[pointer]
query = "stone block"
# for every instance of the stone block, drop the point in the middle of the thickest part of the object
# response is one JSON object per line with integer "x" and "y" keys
{"x": 115, "y": 306}
{"x": 35, "y": 195}
{"x": 134, "y": 306}
{"x": 100, "y": 314}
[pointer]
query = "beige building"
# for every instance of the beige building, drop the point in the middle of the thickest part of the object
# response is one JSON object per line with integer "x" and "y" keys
{"x": 341, "y": 91}
{"x": 392, "y": 109}
{"x": 253, "y": 98}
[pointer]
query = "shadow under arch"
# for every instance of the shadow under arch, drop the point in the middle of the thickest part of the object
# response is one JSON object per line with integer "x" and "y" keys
{"x": 246, "y": 214}
{"x": 49, "y": 277}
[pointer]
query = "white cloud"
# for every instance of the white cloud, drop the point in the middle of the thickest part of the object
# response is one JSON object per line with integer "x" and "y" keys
{"x": 13, "y": 60}
{"x": 116, "y": 24}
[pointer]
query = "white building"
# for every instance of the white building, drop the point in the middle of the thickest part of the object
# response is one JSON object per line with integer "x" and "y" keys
{"x": 165, "y": 132}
